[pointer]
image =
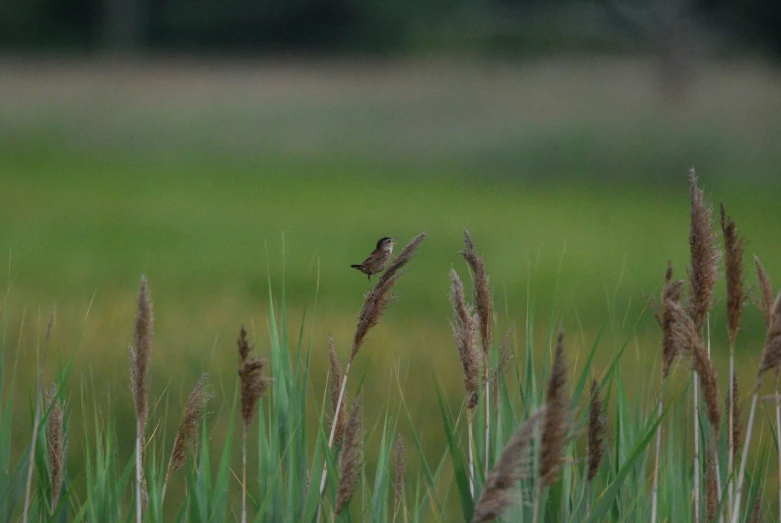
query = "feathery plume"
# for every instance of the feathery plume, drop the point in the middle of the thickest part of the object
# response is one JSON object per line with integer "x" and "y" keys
{"x": 192, "y": 416}
{"x": 711, "y": 486}
{"x": 401, "y": 466}
{"x": 596, "y": 431}
{"x": 253, "y": 382}
{"x": 765, "y": 303}
{"x": 737, "y": 426}
{"x": 671, "y": 293}
{"x": 705, "y": 255}
{"x": 335, "y": 386}
{"x": 465, "y": 334}
{"x": 554, "y": 424}
{"x": 499, "y": 492}
{"x": 482, "y": 292}
{"x": 350, "y": 458}
{"x": 55, "y": 440}
{"x": 381, "y": 295}
{"x": 771, "y": 355}
{"x": 736, "y": 297}
{"x": 505, "y": 350}
{"x": 141, "y": 354}
{"x": 685, "y": 333}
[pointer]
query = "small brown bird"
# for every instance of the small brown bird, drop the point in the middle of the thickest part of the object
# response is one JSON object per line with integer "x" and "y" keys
{"x": 377, "y": 260}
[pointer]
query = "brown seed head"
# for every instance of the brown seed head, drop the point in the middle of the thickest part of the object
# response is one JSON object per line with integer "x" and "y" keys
{"x": 705, "y": 255}
{"x": 499, "y": 492}
{"x": 465, "y": 334}
{"x": 686, "y": 335}
{"x": 482, "y": 291}
{"x": 596, "y": 431}
{"x": 736, "y": 296}
{"x": 189, "y": 424}
{"x": 765, "y": 303}
{"x": 350, "y": 458}
{"x": 401, "y": 466}
{"x": 671, "y": 294}
{"x": 253, "y": 382}
{"x": 377, "y": 300}
{"x": 771, "y": 355}
{"x": 335, "y": 386}
{"x": 139, "y": 371}
{"x": 55, "y": 441}
{"x": 555, "y": 425}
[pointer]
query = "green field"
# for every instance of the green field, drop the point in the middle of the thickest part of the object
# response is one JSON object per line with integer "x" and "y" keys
{"x": 213, "y": 179}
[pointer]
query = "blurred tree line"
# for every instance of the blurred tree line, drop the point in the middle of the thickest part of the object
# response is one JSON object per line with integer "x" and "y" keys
{"x": 376, "y": 26}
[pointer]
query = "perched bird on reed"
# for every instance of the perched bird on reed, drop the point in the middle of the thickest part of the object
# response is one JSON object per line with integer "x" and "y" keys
{"x": 378, "y": 259}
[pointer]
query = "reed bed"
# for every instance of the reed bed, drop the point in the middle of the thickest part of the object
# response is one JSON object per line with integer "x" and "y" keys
{"x": 529, "y": 440}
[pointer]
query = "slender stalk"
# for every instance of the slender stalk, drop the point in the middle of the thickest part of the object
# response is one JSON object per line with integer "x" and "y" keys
{"x": 696, "y": 451}
{"x": 33, "y": 441}
{"x": 487, "y": 425}
{"x": 537, "y": 494}
{"x": 471, "y": 455}
{"x": 744, "y": 459}
{"x": 655, "y": 491}
{"x": 731, "y": 425}
{"x": 778, "y": 437}
{"x": 244, "y": 473}
{"x": 331, "y": 438}
{"x": 139, "y": 473}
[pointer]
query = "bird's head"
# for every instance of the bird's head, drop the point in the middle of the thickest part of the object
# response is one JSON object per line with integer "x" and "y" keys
{"x": 385, "y": 243}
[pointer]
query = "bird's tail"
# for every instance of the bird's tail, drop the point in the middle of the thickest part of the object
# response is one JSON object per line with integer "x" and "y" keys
{"x": 355, "y": 266}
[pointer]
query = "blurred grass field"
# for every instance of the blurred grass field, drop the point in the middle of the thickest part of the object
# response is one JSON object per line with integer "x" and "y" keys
{"x": 212, "y": 177}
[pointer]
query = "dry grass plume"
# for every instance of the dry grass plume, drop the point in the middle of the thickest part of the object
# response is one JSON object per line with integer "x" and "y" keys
{"x": 765, "y": 300}
{"x": 555, "y": 425}
{"x": 671, "y": 294}
{"x": 55, "y": 442}
{"x": 192, "y": 415}
{"x": 705, "y": 255}
{"x": 500, "y": 492}
{"x": 465, "y": 334}
{"x": 737, "y": 426}
{"x": 253, "y": 382}
{"x": 350, "y": 458}
{"x": 596, "y": 431}
{"x": 736, "y": 296}
{"x": 140, "y": 355}
{"x": 771, "y": 355}
{"x": 483, "y": 300}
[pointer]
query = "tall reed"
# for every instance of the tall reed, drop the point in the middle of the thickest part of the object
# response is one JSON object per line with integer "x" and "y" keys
{"x": 736, "y": 297}
{"x": 139, "y": 384}
{"x": 374, "y": 304}
{"x": 703, "y": 274}
{"x": 464, "y": 327}
{"x": 253, "y": 385}
{"x": 484, "y": 305}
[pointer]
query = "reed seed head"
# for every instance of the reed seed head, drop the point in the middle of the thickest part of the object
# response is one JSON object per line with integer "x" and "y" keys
{"x": 192, "y": 416}
{"x": 771, "y": 355}
{"x": 55, "y": 441}
{"x": 253, "y": 382}
{"x": 139, "y": 368}
{"x": 500, "y": 492}
{"x": 482, "y": 291}
{"x": 686, "y": 335}
{"x": 765, "y": 302}
{"x": 401, "y": 467}
{"x": 705, "y": 255}
{"x": 671, "y": 294}
{"x": 465, "y": 334}
{"x": 335, "y": 387}
{"x": 350, "y": 458}
{"x": 555, "y": 424}
{"x": 380, "y": 296}
{"x": 596, "y": 431}
{"x": 736, "y": 296}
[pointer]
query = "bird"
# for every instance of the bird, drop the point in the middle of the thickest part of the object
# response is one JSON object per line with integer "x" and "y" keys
{"x": 378, "y": 259}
